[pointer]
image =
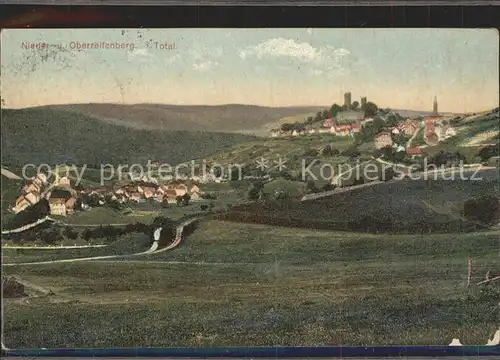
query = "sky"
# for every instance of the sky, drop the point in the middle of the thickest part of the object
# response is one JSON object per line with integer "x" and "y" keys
{"x": 395, "y": 68}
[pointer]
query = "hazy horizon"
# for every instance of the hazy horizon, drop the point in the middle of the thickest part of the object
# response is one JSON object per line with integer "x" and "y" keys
{"x": 394, "y": 68}
{"x": 205, "y": 105}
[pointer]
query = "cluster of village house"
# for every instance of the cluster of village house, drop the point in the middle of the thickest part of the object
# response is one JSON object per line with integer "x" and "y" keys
{"x": 350, "y": 122}
{"x": 62, "y": 197}
{"x": 435, "y": 130}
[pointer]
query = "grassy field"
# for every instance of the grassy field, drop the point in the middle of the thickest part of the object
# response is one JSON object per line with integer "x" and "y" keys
{"x": 402, "y": 204}
{"x": 146, "y": 212}
{"x": 263, "y": 285}
{"x": 292, "y": 149}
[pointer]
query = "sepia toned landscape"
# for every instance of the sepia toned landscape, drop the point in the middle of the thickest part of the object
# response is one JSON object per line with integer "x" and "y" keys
{"x": 247, "y": 187}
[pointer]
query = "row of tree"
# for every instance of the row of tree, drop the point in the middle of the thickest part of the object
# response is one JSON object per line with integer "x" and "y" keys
{"x": 53, "y": 234}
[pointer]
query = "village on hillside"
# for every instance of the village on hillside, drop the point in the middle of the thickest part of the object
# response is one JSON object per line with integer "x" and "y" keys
{"x": 352, "y": 117}
{"x": 64, "y": 199}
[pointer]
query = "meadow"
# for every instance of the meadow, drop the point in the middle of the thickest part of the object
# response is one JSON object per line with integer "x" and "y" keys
{"x": 235, "y": 284}
{"x": 392, "y": 207}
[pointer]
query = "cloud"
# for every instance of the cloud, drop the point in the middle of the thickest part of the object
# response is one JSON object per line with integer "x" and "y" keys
{"x": 206, "y": 52}
{"x": 173, "y": 59}
{"x": 140, "y": 54}
{"x": 205, "y": 65}
{"x": 316, "y": 72}
{"x": 326, "y": 59}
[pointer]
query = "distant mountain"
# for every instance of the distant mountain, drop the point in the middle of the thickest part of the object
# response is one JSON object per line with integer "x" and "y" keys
{"x": 232, "y": 118}
{"x": 47, "y": 135}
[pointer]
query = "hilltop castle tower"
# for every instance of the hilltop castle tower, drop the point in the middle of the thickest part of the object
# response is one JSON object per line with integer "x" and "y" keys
{"x": 435, "y": 106}
{"x": 363, "y": 102}
{"x": 347, "y": 100}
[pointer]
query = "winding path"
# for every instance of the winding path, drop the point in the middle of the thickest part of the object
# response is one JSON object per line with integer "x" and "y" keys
{"x": 55, "y": 247}
{"x": 151, "y": 251}
{"x": 10, "y": 175}
{"x": 27, "y": 226}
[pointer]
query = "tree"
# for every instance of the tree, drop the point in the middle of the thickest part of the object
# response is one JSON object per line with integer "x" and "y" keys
{"x": 377, "y": 153}
{"x": 335, "y": 109}
{"x": 489, "y": 151}
{"x": 69, "y": 233}
{"x": 311, "y": 152}
{"x": 311, "y": 187}
{"x": 387, "y": 152}
{"x": 318, "y": 117}
{"x": 285, "y": 175}
{"x": 485, "y": 210}
{"x": 378, "y": 123}
{"x": 185, "y": 199}
{"x": 178, "y": 200}
{"x": 355, "y": 105}
{"x": 298, "y": 126}
{"x": 326, "y": 114}
{"x": 328, "y": 187}
{"x": 255, "y": 190}
{"x": 370, "y": 109}
{"x": 287, "y": 127}
{"x": 204, "y": 207}
{"x": 310, "y": 120}
{"x": 399, "y": 156}
{"x": 351, "y": 152}
{"x": 87, "y": 234}
{"x": 400, "y": 139}
{"x": 327, "y": 150}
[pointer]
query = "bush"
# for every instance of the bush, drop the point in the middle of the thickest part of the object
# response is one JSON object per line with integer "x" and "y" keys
{"x": 351, "y": 152}
{"x": 311, "y": 152}
{"x": 142, "y": 228}
{"x": 87, "y": 235}
{"x": 329, "y": 151}
{"x": 488, "y": 151}
{"x": 208, "y": 196}
{"x": 311, "y": 187}
{"x": 185, "y": 199}
{"x": 328, "y": 187}
{"x": 204, "y": 207}
{"x": 377, "y": 153}
{"x": 50, "y": 237}
{"x": 11, "y": 288}
{"x": 114, "y": 204}
{"x": 70, "y": 233}
{"x": 485, "y": 210}
{"x": 255, "y": 190}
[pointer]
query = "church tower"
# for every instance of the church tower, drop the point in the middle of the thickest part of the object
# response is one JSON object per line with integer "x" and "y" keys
{"x": 435, "y": 106}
